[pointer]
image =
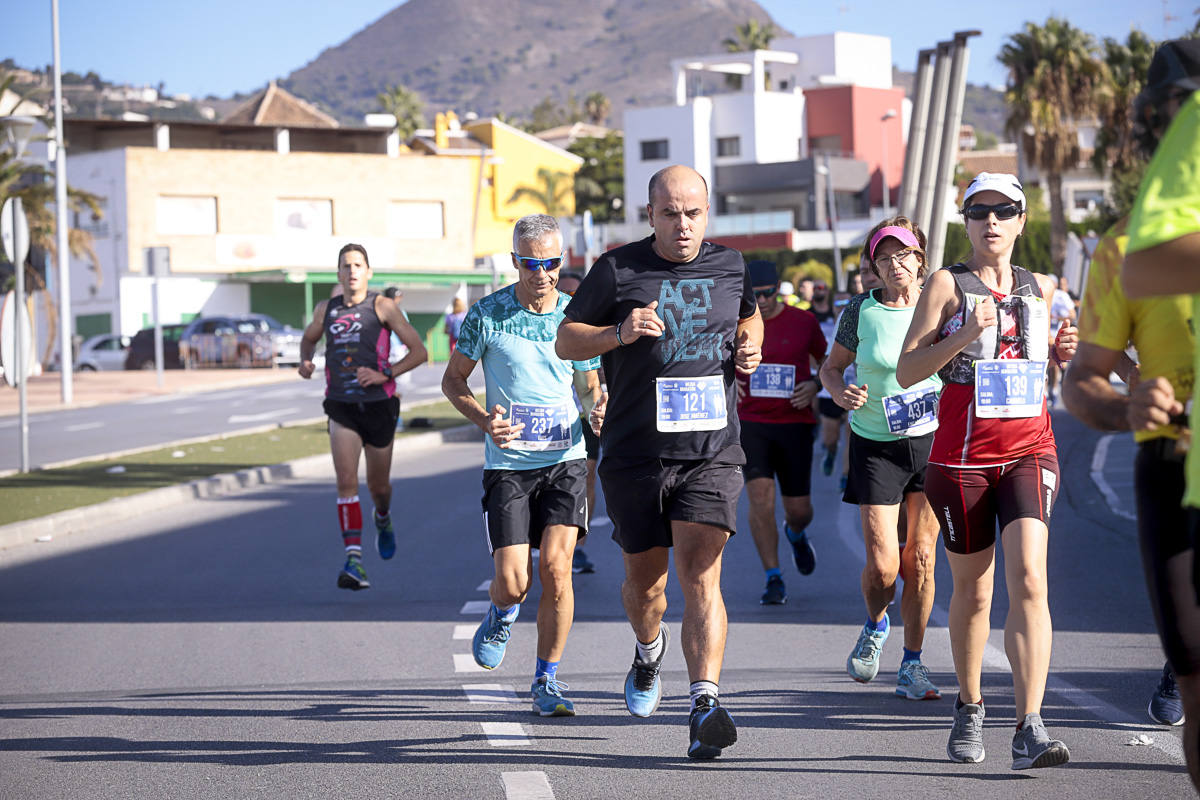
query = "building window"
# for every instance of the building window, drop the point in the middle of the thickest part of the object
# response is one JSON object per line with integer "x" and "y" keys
{"x": 410, "y": 219}
{"x": 186, "y": 216}
{"x": 655, "y": 150}
{"x": 304, "y": 216}
{"x": 729, "y": 146}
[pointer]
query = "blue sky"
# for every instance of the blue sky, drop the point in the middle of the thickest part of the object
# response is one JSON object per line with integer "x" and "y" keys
{"x": 193, "y": 48}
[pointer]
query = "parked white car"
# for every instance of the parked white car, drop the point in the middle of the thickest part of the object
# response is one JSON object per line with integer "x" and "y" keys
{"x": 106, "y": 351}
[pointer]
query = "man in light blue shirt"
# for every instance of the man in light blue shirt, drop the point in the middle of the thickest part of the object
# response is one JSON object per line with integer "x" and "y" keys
{"x": 534, "y": 478}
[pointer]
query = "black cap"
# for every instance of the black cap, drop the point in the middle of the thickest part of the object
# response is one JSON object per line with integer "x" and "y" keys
{"x": 1175, "y": 64}
{"x": 763, "y": 273}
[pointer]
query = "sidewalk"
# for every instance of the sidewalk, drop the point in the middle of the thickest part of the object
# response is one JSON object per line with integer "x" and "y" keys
{"x": 44, "y": 392}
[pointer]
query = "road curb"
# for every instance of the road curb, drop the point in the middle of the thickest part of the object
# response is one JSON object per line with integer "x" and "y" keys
{"x": 83, "y": 519}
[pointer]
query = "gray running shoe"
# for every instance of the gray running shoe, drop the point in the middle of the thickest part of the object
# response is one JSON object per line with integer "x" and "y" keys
{"x": 966, "y": 737}
{"x": 1032, "y": 747}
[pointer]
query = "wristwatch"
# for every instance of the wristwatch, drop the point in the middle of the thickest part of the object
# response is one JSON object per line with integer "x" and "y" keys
{"x": 386, "y": 371}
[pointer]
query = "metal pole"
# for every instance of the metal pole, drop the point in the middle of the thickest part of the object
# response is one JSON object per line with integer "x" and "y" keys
{"x": 936, "y": 117}
{"x": 19, "y": 315}
{"x": 154, "y": 305}
{"x": 936, "y": 232}
{"x": 915, "y": 147}
{"x": 838, "y": 278}
{"x": 60, "y": 199}
{"x": 883, "y": 165}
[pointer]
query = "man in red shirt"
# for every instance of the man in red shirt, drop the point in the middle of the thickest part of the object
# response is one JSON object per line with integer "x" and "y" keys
{"x": 775, "y": 409}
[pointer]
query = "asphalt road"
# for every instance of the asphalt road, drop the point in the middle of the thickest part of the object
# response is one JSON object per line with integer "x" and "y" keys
{"x": 157, "y": 420}
{"x": 205, "y": 652}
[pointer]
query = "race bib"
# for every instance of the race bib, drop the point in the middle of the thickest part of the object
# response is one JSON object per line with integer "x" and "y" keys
{"x": 912, "y": 413}
{"x": 773, "y": 380}
{"x": 691, "y": 404}
{"x": 1009, "y": 387}
{"x": 546, "y": 427}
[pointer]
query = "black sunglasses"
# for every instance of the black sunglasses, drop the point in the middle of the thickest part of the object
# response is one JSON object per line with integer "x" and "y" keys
{"x": 979, "y": 211}
{"x": 766, "y": 292}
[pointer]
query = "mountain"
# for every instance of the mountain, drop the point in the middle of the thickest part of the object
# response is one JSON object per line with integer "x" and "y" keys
{"x": 491, "y": 56}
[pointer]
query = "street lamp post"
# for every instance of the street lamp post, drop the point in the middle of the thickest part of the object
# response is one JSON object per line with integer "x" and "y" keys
{"x": 838, "y": 279}
{"x": 887, "y": 189}
{"x": 17, "y": 133}
{"x": 66, "y": 335}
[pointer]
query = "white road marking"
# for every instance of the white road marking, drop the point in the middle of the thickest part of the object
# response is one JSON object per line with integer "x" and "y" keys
{"x": 505, "y": 734}
{"x": 490, "y": 693}
{"x": 599, "y": 522}
{"x": 995, "y": 658}
{"x": 464, "y": 631}
{"x": 476, "y": 607}
{"x": 465, "y": 662}
{"x": 1099, "y": 456}
{"x": 265, "y": 416}
{"x": 483, "y": 587}
{"x": 83, "y": 426}
{"x": 187, "y": 409}
{"x": 526, "y": 786}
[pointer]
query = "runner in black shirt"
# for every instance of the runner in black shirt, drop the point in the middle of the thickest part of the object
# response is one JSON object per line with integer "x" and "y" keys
{"x": 360, "y": 399}
{"x": 673, "y": 316}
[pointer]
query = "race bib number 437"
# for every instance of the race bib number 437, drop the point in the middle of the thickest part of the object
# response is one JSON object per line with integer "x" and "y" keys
{"x": 690, "y": 404}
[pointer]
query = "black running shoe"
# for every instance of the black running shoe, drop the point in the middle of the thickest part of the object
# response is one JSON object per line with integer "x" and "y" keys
{"x": 775, "y": 594}
{"x": 711, "y": 728}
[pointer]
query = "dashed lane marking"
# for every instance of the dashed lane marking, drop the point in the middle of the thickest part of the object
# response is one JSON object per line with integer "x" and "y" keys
{"x": 465, "y": 662}
{"x": 476, "y": 607}
{"x": 506, "y": 734}
{"x": 483, "y": 587}
{"x": 1099, "y": 457}
{"x": 526, "y": 786}
{"x": 490, "y": 694}
{"x": 464, "y": 631}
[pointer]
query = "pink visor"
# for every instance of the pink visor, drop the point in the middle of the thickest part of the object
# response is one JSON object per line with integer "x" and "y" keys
{"x": 906, "y": 237}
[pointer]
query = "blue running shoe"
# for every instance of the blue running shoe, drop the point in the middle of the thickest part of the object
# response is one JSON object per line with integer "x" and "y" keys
{"x": 643, "y": 687}
{"x": 385, "y": 539}
{"x": 863, "y": 663}
{"x": 827, "y": 463}
{"x": 912, "y": 682}
{"x": 802, "y": 550}
{"x": 491, "y": 637}
{"x": 775, "y": 594}
{"x": 548, "y": 700}
{"x": 581, "y": 564}
{"x": 1166, "y": 706}
{"x": 353, "y": 576}
{"x": 710, "y": 727}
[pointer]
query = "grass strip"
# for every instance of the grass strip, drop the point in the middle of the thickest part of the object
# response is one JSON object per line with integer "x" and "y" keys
{"x": 43, "y": 492}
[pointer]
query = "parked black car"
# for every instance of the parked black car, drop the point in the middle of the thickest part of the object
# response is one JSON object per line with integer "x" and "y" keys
{"x": 141, "y": 348}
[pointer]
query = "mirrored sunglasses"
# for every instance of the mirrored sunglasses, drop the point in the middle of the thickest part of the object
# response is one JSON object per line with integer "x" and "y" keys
{"x": 534, "y": 264}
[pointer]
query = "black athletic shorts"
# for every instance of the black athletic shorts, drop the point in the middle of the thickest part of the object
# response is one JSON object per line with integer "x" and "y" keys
{"x": 969, "y": 501}
{"x": 375, "y": 422}
{"x": 590, "y": 440}
{"x": 780, "y": 450}
{"x": 828, "y": 408}
{"x": 643, "y": 497}
{"x": 1164, "y": 532}
{"x": 881, "y": 473}
{"x": 518, "y": 504}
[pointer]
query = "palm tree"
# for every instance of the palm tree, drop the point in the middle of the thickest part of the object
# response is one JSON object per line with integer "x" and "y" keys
{"x": 552, "y": 194}
{"x": 1116, "y": 152}
{"x": 1054, "y": 80}
{"x": 597, "y": 107}
{"x": 748, "y": 37}
{"x": 406, "y": 106}
{"x": 34, "y": 184}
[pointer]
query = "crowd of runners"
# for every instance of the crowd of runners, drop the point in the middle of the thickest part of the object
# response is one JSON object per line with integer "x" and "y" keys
{"x": 681, "y": 371}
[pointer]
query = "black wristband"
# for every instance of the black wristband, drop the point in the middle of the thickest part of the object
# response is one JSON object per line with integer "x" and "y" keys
{"x": 618, "y": 332}
{"x": 386, "y": 371}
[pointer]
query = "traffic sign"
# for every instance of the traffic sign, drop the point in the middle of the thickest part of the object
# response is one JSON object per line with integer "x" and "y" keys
{"x": 7, "y": 229}
{"x": 14, "y": 327}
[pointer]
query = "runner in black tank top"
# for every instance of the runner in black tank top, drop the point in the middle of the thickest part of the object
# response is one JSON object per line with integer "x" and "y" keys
{"x": 360, "y": 399}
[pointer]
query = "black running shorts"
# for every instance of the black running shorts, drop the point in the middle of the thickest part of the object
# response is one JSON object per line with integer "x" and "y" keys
{"x": 644, "y": 497}
{"x": 882, "y": 473}
{"x": 969, "y": 501}
{"x": 374, "y": 422}
{"x": 590, "y": 440}
{"x": 827, "y": 408}
{"x": 1163, "y": 534}
{"x": 518, "y": 504}
{"x": 780, "y": 450}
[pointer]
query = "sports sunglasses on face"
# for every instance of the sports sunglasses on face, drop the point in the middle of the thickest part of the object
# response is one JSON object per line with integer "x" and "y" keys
{"x": 534, "y": 264}
{"x": 979, "y": 211}
{"x": 766, "y": 292}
